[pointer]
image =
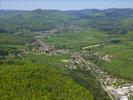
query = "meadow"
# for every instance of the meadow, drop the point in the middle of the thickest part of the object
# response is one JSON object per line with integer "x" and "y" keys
{"x": 122, "y": 57}
{"x": 75, "y": 40}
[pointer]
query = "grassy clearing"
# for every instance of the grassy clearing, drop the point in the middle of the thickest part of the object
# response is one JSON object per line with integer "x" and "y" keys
{"x": 75, "y": 40}
{"x": 122, "y": 61}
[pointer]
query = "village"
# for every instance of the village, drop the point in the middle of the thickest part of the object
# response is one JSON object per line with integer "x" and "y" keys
{"x": 117, "y": 89}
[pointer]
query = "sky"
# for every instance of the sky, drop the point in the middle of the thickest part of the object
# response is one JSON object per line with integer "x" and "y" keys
{"x": 64, "y": 4}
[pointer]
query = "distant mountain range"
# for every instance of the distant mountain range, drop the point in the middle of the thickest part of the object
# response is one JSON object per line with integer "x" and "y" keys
{"x": 116, "y": 21}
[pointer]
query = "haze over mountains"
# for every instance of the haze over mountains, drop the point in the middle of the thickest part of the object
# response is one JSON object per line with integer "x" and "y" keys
{"x": 64, "y": 4}
{"x": 111, "y": 20}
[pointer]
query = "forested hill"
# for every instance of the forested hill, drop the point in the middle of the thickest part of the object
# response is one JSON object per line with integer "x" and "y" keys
{"x": 116, "y": 21}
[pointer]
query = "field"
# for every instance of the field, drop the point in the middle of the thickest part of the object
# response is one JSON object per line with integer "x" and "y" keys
{"x": 75, "y": 40}
{"x": 121, "y": 63}
{"x": 122, "y": 57}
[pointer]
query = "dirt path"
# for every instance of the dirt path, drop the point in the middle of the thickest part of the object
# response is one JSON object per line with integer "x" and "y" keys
{"x": 91, "y": 46}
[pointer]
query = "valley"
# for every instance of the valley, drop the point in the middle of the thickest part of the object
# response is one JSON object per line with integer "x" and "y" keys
{"x": 74, "y": 55}
{"x": 116, "y": 88}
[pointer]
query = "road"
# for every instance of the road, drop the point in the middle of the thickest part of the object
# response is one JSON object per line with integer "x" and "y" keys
{"x": 89, "y": 65}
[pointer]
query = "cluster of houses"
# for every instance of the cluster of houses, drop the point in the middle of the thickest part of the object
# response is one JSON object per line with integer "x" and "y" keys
{"x": 77, "y": 62}
{"x": 123, "y": 92}
{"x": 37, "y": 44}
{"x": 114, "y": 85}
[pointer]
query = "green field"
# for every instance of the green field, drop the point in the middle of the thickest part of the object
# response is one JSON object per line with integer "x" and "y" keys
{"x": 122, "y": 57}
{"x": 75, "y": 40}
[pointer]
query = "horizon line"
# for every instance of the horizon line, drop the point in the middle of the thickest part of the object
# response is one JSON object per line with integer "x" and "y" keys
{"x": 64, "y": 10}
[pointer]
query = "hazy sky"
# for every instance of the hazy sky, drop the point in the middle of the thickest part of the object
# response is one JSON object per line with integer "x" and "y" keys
{"x": 64, "y": 4}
